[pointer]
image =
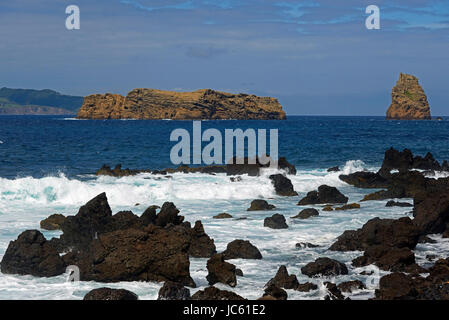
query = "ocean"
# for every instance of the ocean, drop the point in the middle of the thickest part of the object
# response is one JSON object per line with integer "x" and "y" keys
{"x": 48, "y": 164}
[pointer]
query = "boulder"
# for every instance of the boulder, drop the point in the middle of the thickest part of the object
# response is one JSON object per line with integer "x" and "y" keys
{"x": 260, "y": 205}
{"x": 283, "y": 280}
{"x": 212, "y": 293}
{"x": 393, "y": 203}
{"x": 152, "y": 254}
{"x": 333, "y": 291}
{"x": 201, "y": 245}
{"x": 348, "y": 207}
{"x": 396, "y": 286}
{"x": 32, "y": 254}
{"x": 53, "y": 222}
{"x": 302, "y": 245}
{"x": 110, "y": 294}
{"x": 350, "y": 286}
{"x": 282, "y": 185}
{"x": 306, "y": 214}
{"x": 328, "y": 208}
{"x": 276, "y": 221}
{"x": 272, "y": 292}
{"x": 324, "y": 267}
{"x": 306, "y": 287}
{"x": 387, "y": 258}
{"x": 241, "y": 249}
{"x": 173, "y": 291}
{"x": 325, "y": 194}
{"x": 222, "y": 216}
{"x": 283, "y": 164}
{"x": 333, "y": 169}
{"x": 393, "y": 233}
{"x": 221, "y": 271}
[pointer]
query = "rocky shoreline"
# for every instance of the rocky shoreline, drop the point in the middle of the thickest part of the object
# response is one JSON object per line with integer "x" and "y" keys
{"x": 157, "y": 246}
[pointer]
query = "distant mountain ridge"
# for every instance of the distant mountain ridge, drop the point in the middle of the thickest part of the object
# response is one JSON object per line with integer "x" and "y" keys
{"x": 29, "y": 101}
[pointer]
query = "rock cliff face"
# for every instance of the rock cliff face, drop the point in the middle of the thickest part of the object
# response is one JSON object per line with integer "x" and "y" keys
{"x": 200, "y": 104}
{"x": 409, "y": 100}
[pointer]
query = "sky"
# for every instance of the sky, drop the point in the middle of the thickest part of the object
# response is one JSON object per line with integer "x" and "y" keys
{"x": 316, "y": 56}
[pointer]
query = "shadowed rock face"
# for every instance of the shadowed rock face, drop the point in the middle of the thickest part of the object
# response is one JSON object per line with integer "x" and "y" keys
{"x": 409, "y": 102}
{"x": 32, "y": 254}
{"x": 152, "y": 254}
{"x": 221, "y": 271}
{"x": 324, "y": 267}
{"x": 241, "y": 249}
{"x": 212, "y": 293}
{"x": 388, "y": 232}
{"x": 110, "y": 294}
{"x": 173, "y": 291}
{"x": 200, "y": 104}
{"x": 325, "y": 194}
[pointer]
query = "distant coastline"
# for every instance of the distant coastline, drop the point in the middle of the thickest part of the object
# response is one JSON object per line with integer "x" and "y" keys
{"x": 37, "y": 102}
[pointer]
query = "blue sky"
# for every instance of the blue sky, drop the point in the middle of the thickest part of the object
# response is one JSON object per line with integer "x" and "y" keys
{"x": 316, "y": 56}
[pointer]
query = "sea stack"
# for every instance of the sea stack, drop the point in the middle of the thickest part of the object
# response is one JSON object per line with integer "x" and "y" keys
{"x": 201, "y": 104}
{"x": 409, "y": 102}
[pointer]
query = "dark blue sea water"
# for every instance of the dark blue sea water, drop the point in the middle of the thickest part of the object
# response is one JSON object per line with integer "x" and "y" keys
{"x": 46, "y": 145}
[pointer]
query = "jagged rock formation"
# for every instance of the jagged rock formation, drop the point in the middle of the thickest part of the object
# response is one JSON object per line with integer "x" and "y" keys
{"x": 200, "y": 104}
{"x": 409, "y": 102}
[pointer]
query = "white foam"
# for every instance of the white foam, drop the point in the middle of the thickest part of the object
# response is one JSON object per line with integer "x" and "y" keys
{"x": 25, "y": 201}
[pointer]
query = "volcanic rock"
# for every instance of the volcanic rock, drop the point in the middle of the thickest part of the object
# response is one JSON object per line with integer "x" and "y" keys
{"x": 307, "y": 213}
{"x": 32, "y": 254}
{"x": 241, "y": 249}
{"x": 173, "y": 291}
{"x": 221, "y": 271}
{"x": 201, "y": 245}
{"x": 276, "y": 221}
{"x": 212, "y": 293}
{"x": 282, "y": 185}
{"x": 334, "y": 292}
{"x": 200, "y": 104}
{"x": 409, "y": 102}
{"x": 223, "y": 215}
{"x": 393, "y": 203}
{"x": 348, "y": 207}
{"x": 283, "y": 280}
{"x": 110, "y": 294}
{"x": 53, "y": 222}
{"x": 260, "y": 205}
{"x": 393, "y": 233}
{"x": 325, "y": 194}
{"x": 152, "y": 254}
{"x": 324, "y": 267}
{"x": 274, "y": 292}
{"x": 350, "y": 286}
